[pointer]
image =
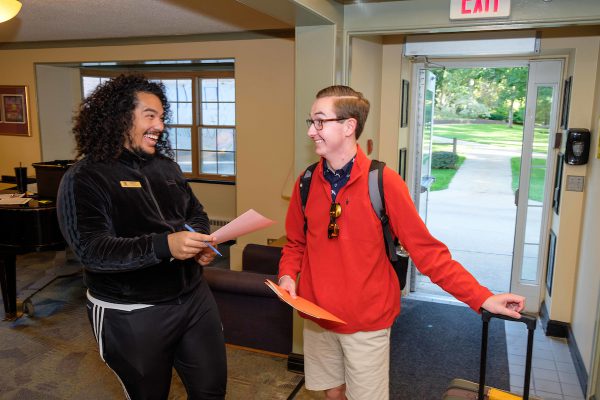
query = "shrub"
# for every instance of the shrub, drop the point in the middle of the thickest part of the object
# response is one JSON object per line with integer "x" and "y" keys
{"x": 499, "y": 115}
{"x": 443, "y": 160}
{"x": 518, "y": 116}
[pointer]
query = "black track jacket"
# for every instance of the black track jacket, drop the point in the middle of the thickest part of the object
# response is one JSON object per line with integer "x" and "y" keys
{"x": 116, "y": 215}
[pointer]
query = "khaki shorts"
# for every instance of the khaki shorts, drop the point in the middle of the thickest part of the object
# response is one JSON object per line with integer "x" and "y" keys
{"x": 360, "y": 360}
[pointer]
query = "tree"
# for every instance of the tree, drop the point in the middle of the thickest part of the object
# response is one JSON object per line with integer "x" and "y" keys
{"x": 513, "y": 82}
{"x": 479, "y": 92}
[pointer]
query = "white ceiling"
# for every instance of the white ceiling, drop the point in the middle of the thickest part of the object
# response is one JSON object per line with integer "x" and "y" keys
{"x": 52, "y": 20}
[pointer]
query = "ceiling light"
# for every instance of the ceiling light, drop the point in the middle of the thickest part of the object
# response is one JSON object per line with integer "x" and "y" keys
{"x": 8, "y": 9}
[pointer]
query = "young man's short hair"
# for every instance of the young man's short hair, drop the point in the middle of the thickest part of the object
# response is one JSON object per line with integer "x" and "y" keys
{"x": 349, "y": 104}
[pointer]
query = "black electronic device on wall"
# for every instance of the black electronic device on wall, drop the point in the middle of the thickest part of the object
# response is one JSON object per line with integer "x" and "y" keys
{"x": 577, "y": 146}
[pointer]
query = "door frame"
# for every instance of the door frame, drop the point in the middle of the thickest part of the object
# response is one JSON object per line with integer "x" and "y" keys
{"x": 532, "y": 291}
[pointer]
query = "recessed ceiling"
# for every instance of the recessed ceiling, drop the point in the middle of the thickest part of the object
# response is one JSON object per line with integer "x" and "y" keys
{"x": 56, "y": 20}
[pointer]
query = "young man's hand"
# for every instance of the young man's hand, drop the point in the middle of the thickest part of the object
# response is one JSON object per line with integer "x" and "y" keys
{"x": 508, "y": 304}
{"x": 287, "y": 283}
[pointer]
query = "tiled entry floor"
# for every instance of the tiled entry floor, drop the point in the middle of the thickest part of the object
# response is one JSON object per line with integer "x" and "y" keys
{"x": 553, "y": 375}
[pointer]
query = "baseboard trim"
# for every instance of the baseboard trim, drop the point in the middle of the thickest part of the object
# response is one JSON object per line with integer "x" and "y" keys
{"x": 252, "y": 350}
{"x": 551, "y": 327}
{"x": 578, "y": 362}
{"x": 296, "y": 363}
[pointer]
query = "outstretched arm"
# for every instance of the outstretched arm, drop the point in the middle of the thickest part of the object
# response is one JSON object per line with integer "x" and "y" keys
{"x": 506, "y": 304}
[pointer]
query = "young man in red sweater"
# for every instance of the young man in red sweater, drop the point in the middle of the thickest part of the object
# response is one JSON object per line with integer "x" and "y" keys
{"x": 336, "y": 245}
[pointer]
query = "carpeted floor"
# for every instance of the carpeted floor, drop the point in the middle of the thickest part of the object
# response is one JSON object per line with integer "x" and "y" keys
{"x": 53, "y": 355}
{"x": 434, "y": 343}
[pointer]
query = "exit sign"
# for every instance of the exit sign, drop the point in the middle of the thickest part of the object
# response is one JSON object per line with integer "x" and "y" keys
{"x": 470, "y": 9}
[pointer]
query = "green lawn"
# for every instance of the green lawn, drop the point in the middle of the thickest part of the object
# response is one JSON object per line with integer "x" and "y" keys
{"x": 499, "y": 135}
{"x": 538, "y": 173}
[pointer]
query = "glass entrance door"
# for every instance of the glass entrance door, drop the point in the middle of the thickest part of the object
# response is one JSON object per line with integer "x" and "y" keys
{"x": 533, "y": 196}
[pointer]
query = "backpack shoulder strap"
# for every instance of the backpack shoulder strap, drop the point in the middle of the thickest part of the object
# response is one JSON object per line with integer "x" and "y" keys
{"x": 305, "y": 188}
{"x": 305, "y": 184}
{"x": 376, "y": 187}
{"x": 376, "y": 195}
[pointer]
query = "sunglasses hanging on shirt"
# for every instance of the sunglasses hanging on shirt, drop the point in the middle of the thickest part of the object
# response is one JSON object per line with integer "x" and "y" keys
{"x": 333, "y": 230}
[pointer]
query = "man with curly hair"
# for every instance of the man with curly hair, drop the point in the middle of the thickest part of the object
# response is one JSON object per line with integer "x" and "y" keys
{"x": 122, "y": 209}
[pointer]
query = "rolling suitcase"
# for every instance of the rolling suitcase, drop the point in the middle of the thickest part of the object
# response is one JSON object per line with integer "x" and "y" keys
{"x": 460, "y": 389}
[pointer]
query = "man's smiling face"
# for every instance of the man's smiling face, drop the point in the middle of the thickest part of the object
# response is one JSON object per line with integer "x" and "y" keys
{"x": 148, "y": 124}
{"x": 329, "y": 140}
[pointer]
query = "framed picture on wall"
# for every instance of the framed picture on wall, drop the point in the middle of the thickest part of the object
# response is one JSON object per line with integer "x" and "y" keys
{"x": 560, "y": 160}
{"x": 404, "y": 105}
{"x": 402, "y": 163}
{"x": 550, "y": 269}
{"x": 13, "y": 108}
{"x": 14, "y": 114}
{"x": 564, "y": 119}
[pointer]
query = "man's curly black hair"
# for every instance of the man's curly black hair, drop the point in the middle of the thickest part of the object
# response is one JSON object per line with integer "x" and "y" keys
{"x": 105, "y": 117}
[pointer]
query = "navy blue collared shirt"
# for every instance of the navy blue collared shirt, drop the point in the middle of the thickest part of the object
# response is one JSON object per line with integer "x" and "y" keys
{"x": 338, "y": 178}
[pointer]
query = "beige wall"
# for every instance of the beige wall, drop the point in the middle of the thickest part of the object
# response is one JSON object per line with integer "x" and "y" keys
{"x": 219, "y": 201}
{"x": 585, "y": 308}
{"x": 58, "y": 95}
{"x": 582, "y": 53}
{"x": 265, "y": 115}
{"x": 391, "y": 137}
{"x": 365, "y": 77}
{"x": 14, "y": 70}
{"x": 313, "y": 73}
{"x": 265, "y": 102}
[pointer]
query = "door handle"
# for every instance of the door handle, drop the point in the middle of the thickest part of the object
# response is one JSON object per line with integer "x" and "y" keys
{"x": 517, "y": 197}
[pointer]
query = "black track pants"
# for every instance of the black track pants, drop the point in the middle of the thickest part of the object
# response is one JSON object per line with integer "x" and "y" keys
{"x": 141, "y": 346}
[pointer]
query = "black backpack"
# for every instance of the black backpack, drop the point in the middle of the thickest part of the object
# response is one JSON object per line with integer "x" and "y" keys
{"x": 399, "y": 260}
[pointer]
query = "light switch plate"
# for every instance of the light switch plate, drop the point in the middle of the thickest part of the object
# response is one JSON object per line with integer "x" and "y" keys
{"x": 575, "y": 183}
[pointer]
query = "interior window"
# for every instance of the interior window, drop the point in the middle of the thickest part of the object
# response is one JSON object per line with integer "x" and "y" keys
{"x": 217, "y": 127}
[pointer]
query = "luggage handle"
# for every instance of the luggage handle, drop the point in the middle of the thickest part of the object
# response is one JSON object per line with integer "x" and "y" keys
{"x": 528, "y": 320}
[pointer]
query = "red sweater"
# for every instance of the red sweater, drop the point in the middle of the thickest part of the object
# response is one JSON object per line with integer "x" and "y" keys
{"x": 351, "y": 276}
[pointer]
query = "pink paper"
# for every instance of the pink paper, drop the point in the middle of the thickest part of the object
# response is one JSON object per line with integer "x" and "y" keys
{"x": 249, "y": 221}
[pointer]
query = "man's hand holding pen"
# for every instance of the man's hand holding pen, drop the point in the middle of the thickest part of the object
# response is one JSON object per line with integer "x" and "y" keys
{"x": 185, "y": 244}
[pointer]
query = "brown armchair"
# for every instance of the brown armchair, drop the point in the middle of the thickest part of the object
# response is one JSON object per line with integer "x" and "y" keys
{"x": 252, "y": 315}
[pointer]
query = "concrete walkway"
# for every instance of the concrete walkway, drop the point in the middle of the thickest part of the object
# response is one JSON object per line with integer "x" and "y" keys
{"x": 475, "y": 216}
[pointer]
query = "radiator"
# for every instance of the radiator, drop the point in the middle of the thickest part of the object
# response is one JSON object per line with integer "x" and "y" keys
{"x": 217, "y": 223}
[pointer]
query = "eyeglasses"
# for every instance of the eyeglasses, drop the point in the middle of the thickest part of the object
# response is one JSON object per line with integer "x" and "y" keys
{"x": 319, "y": 122}
{"x": 333, "y": 230}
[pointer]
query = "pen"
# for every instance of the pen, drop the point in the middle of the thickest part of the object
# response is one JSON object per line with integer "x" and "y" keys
{"x": 213, "y": 248}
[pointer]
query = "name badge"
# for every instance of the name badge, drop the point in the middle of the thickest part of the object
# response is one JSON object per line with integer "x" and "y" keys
{"x": 131, "y": 184}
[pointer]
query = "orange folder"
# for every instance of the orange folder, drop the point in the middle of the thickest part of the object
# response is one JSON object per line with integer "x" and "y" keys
{"x": 302, "y": 305}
